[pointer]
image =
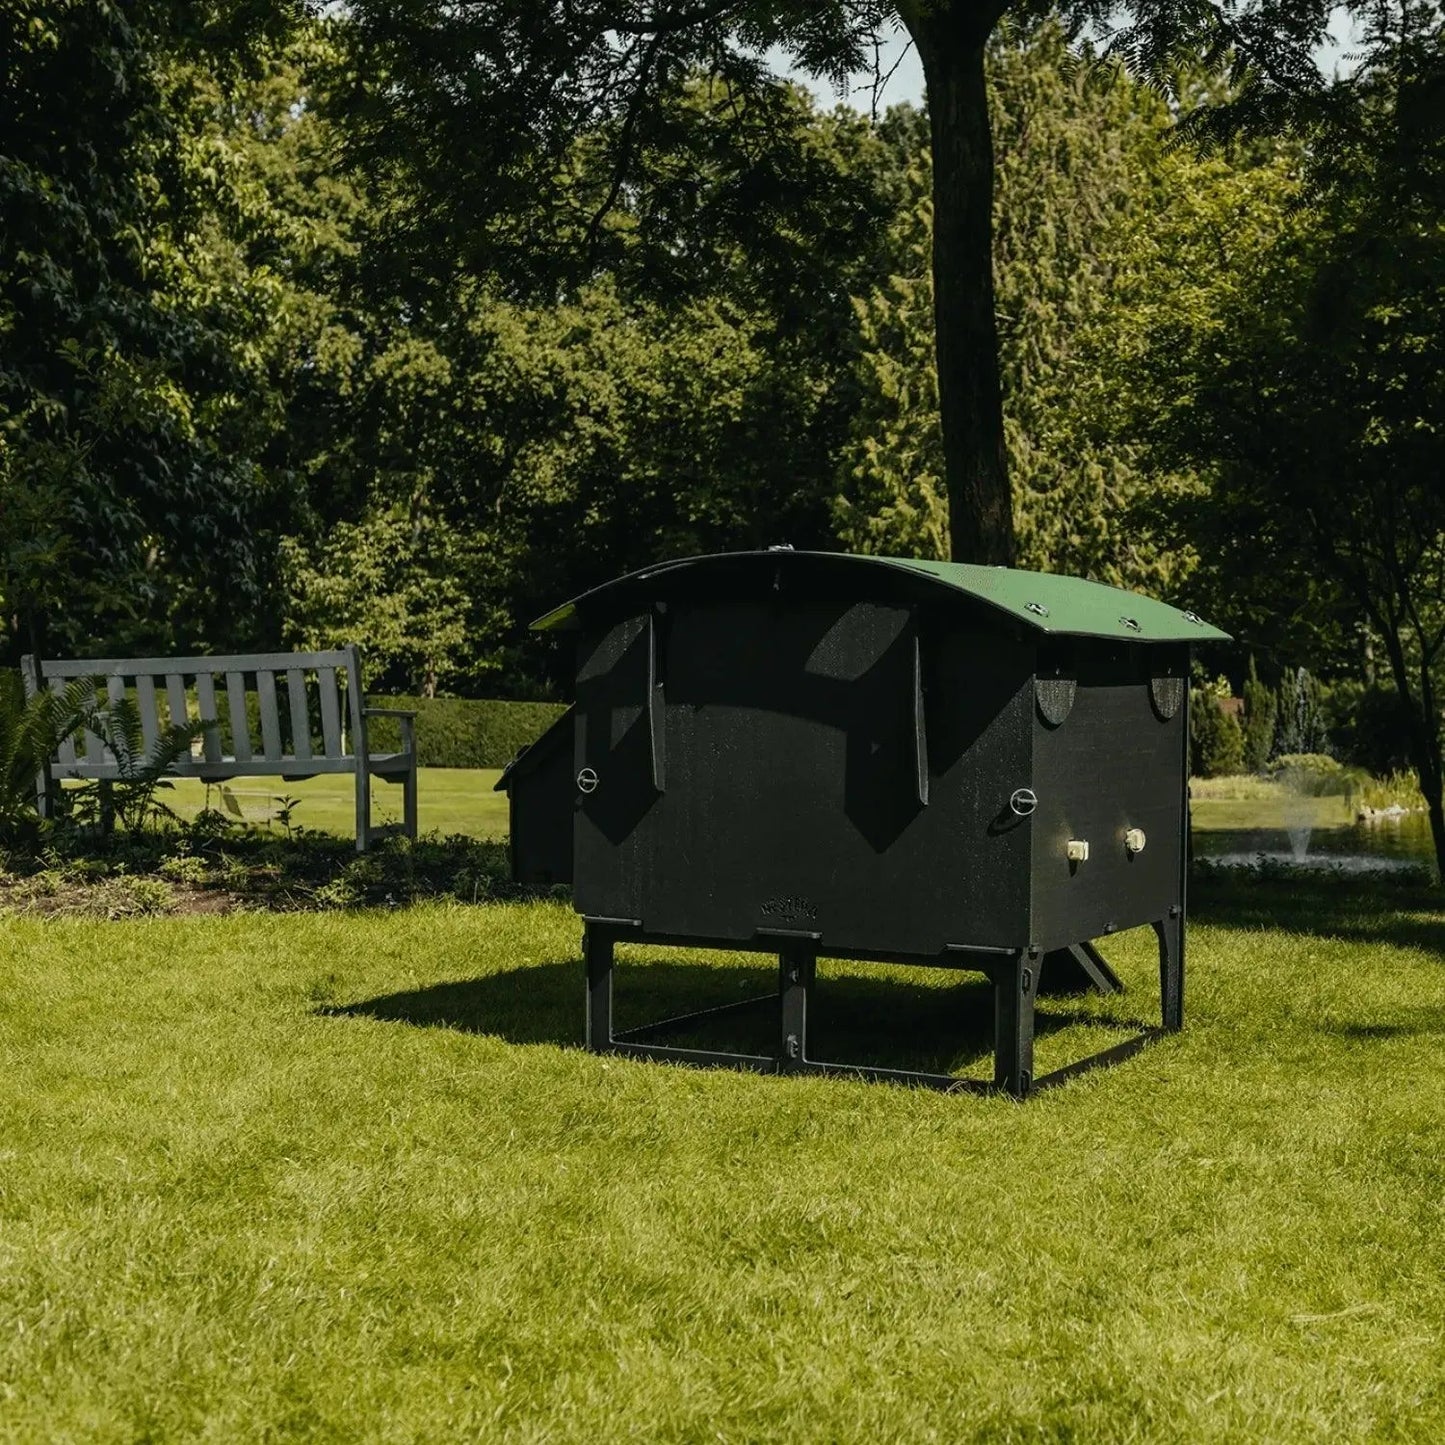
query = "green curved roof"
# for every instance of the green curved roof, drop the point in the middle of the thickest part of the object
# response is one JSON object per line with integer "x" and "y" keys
{"x": 1074, "y": 605}
{"x": 1044, "y": 601}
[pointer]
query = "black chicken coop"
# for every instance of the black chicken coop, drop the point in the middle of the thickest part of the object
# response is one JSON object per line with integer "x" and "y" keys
{"x": 868, "y": 758}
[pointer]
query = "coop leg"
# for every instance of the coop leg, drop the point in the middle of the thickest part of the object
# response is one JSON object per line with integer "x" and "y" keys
{"x": 1171, "y": 967}
{"x": 597, "y": 950}
{"x": 797, "y": 965}
{"x": 1015, "y": 983}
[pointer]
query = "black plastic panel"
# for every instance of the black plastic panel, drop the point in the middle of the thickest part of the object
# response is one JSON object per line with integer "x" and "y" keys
{"x": 792, "y": 796}
{"x": 1113, "y": 766}
{"x": 540, "y": 791}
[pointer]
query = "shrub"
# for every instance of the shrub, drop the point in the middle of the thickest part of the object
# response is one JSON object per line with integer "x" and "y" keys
{"x": 184, "y": 868}
{"x": 1317, "y": 775}
{"x": 454, "y": 732}
{"x": 1261, "y": 708}
{"x": 1216, "y": 740}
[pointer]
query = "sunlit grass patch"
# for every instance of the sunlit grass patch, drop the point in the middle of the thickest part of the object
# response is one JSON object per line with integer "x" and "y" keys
{"x": 351, "y": 1176}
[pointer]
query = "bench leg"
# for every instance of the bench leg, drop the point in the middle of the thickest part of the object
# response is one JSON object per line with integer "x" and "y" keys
{"x": 408, "y": 793}
{"x": 363, "y": 808}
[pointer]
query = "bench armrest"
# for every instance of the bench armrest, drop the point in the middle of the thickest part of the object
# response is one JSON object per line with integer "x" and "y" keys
{"x": 406, "y": 721}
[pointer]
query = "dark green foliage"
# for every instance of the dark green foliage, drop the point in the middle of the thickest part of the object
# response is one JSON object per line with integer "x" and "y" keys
{"x": 1216, "y": 740}
{"x": 540, "y": 143}
{"x": 133, "y": 412}
{"x": 460, "y": 733}
{"x": 1369, "y": 727}
{"x": 1261, "y": 707}
{"x": 30, "y": 731}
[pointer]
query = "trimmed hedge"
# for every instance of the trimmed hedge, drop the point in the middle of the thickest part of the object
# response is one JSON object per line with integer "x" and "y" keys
{"x": 454, "y": 732}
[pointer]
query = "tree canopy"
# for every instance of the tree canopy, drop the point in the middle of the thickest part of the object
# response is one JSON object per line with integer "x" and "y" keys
{"x": 477, "y": 105}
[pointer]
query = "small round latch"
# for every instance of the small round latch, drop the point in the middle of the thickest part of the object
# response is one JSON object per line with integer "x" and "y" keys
{"x": 1134, "y": 841}
{"x": 1023, "y": 802}
{"x": 587, "y": 781}
{"x": 1132, "y": 623}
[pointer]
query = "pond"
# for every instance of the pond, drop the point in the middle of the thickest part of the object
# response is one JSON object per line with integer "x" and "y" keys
{"x": 1319, "y": 832}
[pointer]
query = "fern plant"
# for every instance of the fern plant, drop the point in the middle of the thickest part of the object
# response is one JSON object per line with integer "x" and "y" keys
{"x": 30, "y": 731}
{"x": 141, "y": 770}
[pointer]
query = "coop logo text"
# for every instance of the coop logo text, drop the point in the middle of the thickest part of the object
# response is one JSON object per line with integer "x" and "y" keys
{"x": 790, "y": 908}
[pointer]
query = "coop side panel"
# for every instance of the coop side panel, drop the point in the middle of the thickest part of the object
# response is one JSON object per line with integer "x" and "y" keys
{"x": 1115, "y": 763}
{"x": 611, "y": 745}
{"x": 795, "y": 732}
{"x": 542, "y": 801}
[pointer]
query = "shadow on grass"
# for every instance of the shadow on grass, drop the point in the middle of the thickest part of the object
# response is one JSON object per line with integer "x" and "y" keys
{"x": 883, "y": 1022}
{"x": 1405, "y": 916}
{"x": 1421, "y": 1022}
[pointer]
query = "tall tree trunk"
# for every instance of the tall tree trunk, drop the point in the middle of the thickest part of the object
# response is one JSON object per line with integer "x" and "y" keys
{"x": 1425, "y": 742}
{"x": 1430, "y": 766}
{"x": 951, "y": 41}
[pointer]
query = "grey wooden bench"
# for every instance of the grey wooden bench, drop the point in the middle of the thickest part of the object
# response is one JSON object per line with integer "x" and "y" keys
{"x": 283, "y": 683}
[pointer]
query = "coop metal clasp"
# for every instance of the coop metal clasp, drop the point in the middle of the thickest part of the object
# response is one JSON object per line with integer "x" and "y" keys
{"x": 1023, "y": 801}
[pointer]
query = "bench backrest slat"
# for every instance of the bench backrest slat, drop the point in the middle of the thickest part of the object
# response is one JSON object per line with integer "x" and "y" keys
{"x": 176, "y": 699}
{"x": 150, "y": 720}
{"x": 270, "y": 716}
{"x": 66, "y": 751}
{"x": 115, "y": 691}
{"x": 330, "y": 711}
{"x": 206, "y": 710}
{"x": 95, "y": 750}
{"x": 300, "y": 714}
{"x": 240, "y": 724}
{"x": 355, "y": 698}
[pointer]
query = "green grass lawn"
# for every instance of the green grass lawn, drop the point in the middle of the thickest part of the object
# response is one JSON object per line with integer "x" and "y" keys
{"x": 1207, "y": 814}
{"x": 449, "y": 800}
{"x": 349, "y": 1176}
